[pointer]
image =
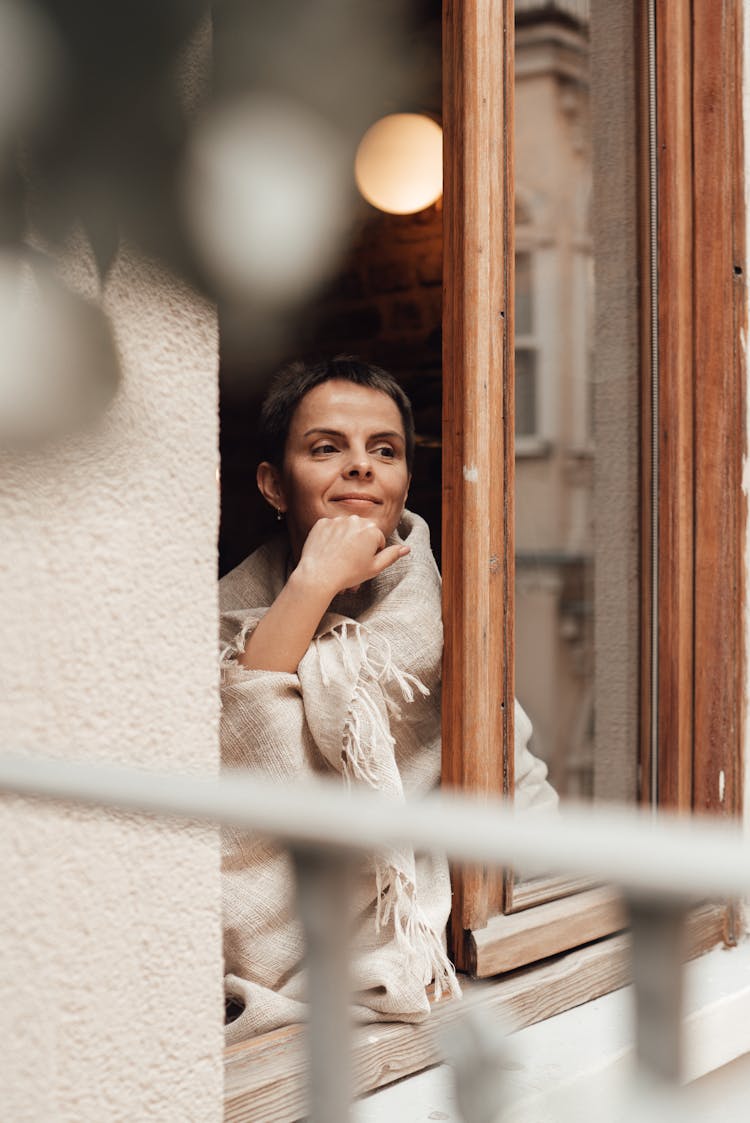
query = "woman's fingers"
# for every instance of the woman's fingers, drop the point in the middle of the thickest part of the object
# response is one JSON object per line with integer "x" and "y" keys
{"x": 388, "y": 556}
{"x": 381, "y": 561}
{"x": 348, "y": 550}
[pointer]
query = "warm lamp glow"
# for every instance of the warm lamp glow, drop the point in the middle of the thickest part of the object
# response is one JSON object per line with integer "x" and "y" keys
{"x": 399, "y": 163}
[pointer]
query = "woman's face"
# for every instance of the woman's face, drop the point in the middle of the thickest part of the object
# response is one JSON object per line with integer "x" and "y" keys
{"x": 345, "y": 455}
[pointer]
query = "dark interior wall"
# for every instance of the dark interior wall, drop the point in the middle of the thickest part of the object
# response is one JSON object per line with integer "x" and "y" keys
{"x": 384, "y": 305}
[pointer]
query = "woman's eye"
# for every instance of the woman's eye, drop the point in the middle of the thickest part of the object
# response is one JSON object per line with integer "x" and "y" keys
{"x": 386, "y": 451}
{"x": 323, "y": 449}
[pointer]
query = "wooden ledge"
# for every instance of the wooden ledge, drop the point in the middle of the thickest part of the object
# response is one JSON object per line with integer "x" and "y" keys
{"x": 508, "y": 942}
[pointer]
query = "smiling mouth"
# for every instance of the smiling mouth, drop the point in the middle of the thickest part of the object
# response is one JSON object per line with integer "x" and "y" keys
{"x": 357, "y": 499}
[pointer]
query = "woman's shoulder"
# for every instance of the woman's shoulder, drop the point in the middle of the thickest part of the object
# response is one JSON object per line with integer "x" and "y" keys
{"x": 413, "y": 530}
{"x": 415, "y": 533}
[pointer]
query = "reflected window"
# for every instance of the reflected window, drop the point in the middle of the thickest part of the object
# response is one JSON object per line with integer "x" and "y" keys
{"x": 576, "y": 420}
{"x": 526, "y": 350}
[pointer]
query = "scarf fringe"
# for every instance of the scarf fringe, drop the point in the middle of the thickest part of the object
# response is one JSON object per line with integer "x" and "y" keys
{"x": 376, "y": 659}
{"x": 365, "y": 733}
{"x": 366, "y": 738}
{"x": 396, "y": 901}
{"x": 229, "y": 653}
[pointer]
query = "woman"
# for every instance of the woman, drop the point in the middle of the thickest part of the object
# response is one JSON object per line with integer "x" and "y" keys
{"x": 331, "y": 664}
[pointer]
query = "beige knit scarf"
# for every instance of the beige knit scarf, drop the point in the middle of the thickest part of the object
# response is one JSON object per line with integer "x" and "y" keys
{"x": 364, "y": 704}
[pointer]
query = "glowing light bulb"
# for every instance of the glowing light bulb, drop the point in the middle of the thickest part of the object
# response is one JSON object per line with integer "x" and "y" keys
{"x": 399, "y": 163}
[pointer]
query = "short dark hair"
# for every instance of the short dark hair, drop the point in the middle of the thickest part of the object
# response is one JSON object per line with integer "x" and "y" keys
{"x": 289, "y": 386}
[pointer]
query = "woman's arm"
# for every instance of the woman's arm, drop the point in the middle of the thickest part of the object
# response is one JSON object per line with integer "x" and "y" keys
{"x": 283, "y": 636}
{"x": 338, "y": 554}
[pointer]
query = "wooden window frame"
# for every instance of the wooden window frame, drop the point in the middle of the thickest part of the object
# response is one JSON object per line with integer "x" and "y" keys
{"x": 702, "y": 311}
{"x": 701, "y": 315}
{"x": 700, "y": 710}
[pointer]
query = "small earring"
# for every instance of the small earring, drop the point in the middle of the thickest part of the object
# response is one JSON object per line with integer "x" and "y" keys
{"x": 279, "y": 515}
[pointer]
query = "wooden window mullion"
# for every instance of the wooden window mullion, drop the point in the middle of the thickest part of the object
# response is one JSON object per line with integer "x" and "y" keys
{"x": 676, "y": 410}
{"x": 478, "y": 421}
{"x": 701, "y": 312}
{"x": 719, "y": 319}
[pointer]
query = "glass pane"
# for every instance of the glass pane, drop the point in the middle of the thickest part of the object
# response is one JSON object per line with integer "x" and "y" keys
{"x": 526, "y": 425}
{"x": 524, "y": 307}
{"x": 577, "y": 518}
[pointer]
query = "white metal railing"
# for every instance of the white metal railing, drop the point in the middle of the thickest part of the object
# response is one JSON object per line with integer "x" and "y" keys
{"x": 662, "y": 866}
{"x": 677, "y": 857}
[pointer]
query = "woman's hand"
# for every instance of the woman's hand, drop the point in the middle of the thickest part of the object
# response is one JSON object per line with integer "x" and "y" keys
{"x": 343, "y": 552}
{"x": 338, "y": 554}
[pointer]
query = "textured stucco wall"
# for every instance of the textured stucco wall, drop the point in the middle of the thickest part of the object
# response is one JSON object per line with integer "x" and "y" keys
{"x": 110, "y": 940}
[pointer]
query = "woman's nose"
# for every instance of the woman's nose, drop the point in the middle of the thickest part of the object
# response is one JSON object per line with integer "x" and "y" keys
{"x": 359, "y": 467}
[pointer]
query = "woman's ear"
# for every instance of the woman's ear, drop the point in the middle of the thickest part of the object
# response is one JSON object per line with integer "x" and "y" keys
{"x": 269, "y": 485}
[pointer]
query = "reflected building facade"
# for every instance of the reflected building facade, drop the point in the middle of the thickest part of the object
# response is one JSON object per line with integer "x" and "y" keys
{"x": 555, "y": 448}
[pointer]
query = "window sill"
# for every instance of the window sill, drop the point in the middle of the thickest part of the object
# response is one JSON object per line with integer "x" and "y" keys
{"x": 265, "y": 1077}
{"x": 571, "y": 1064}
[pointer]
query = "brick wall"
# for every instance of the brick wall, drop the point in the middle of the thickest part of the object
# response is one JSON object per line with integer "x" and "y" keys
{"x": 384, "y": 305}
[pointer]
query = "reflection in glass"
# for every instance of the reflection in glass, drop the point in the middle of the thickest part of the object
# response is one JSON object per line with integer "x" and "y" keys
{"x": 524, "y": 309}
{"x": 576, "y": 413}
{"x": 525, "y": 392}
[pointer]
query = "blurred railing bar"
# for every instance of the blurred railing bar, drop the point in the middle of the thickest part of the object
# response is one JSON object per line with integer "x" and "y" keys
{"x": 323, "y": 880}
{"x": 676, "y": 857}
